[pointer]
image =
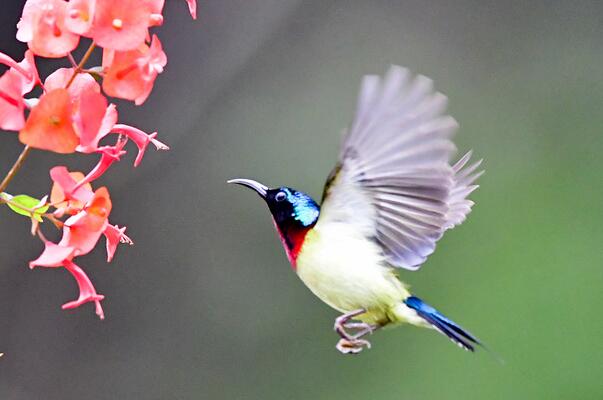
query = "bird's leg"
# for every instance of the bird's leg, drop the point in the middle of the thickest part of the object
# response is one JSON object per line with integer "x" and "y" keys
{"x": 352, "y": 343}
{"x": 361, "y": 327}
{"x": 364, "y": 329}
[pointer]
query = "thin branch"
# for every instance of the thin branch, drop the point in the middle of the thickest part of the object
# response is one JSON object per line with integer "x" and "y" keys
{"x": 80, "y": 66}
{"x": 15, "y": 168}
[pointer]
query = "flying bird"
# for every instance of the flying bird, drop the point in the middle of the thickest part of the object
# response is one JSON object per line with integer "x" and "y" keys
{"x": 391, "y": 196}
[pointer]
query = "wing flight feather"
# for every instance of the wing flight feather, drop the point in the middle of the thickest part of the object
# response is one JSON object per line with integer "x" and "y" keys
{"x": 394, "y": 180}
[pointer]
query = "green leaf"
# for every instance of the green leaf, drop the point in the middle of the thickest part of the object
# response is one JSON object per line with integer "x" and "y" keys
{"x": 21, "y": 204}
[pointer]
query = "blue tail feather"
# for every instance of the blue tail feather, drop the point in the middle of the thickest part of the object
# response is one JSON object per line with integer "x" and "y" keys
{"x": 447, "y": 327}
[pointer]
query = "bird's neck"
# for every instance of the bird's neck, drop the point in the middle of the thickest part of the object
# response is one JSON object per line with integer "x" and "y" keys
{"x": 292, "y": 236}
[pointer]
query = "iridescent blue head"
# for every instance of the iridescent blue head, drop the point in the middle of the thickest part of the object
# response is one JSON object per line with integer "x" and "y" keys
{"x": 288, "y": 206}
{"x": 294, "y": 213}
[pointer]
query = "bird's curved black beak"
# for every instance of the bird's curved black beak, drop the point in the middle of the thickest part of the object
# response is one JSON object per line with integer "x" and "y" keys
{"x": 260, "y": 189}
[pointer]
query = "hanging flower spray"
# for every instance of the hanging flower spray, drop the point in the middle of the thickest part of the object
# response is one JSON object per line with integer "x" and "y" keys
{"x": 73, "y": 114}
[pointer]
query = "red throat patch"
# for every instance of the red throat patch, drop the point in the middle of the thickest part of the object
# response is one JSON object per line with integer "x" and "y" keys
{"x": 293, "y": 240}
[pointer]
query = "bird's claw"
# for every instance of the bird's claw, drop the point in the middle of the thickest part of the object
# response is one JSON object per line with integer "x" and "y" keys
{"x": 354, "y": 346}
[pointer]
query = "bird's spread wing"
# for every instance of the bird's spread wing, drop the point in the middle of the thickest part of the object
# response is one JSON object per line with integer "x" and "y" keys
{"x": 394, "y": 180}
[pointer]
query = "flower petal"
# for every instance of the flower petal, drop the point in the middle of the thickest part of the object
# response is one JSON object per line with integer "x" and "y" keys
{"x": 131, "y": 74}
{"x": 11, "y": 102}
{"x": 66, "y": 188}
{"x": 26, "y": 70}
{"x": 42, "y": 27}
{"x": 121, "y": 24}
{"x": 140, "y": 138}
{"x": 83, "y": 230}
{"x": 115, "y": 235}
{"x": 81, "y": 83}
{"x": 53, "y": 255}
{"x": 49, "y": 126}
{"x": 192, "y": 8}
{"x": 109, "y": 155}
{"x": 80, "y": 14}
{"x": 88, "y": 118}
{"x": 87, "y": 290}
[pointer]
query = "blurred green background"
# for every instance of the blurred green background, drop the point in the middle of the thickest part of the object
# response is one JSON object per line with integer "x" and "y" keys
{"x": 205, "y": 306}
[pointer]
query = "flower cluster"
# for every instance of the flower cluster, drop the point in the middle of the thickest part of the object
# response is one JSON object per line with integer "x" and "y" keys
{"x": 73, "y": 114}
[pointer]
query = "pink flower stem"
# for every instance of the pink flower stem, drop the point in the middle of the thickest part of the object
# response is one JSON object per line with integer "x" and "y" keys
{"x": 71, "y": 60}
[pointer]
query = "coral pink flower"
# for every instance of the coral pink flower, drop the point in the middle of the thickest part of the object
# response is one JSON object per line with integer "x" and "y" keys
{"x": 83, "y": 230}
{"x": 70, "y": 195}
{"x": 92, "y": 117}
{"x": 66, "y": 195}
{"x": 121, "y": 24}
{"x": 131, "y": 74}
{"x": 87, "y": 290}
{"x": 42, "y": 26}
{"x": 55, "y": 255}
{"x": 49, "y": 126}
{"x": 140, "y": 138}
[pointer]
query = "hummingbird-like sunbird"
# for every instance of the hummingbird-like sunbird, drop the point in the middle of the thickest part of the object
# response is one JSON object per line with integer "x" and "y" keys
{"x": 391, "y": 196}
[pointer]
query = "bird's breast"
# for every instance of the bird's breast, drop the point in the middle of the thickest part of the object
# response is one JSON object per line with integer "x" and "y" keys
{"x": 346, "y": 270}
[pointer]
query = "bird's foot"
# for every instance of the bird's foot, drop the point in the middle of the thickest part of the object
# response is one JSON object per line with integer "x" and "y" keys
{"x": 342, "y": 322}
{"x": 352, "y": 343}
{"x": 353, "y": 346}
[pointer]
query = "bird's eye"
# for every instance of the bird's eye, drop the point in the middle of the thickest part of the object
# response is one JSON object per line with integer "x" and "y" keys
{"x": 280, "y": 196}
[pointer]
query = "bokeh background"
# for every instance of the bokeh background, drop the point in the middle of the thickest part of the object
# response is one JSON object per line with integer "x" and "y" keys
{"x": 205, "y": 306}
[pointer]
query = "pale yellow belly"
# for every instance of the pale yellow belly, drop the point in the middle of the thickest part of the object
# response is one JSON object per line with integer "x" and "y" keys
{"x": 347, "y": 272}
